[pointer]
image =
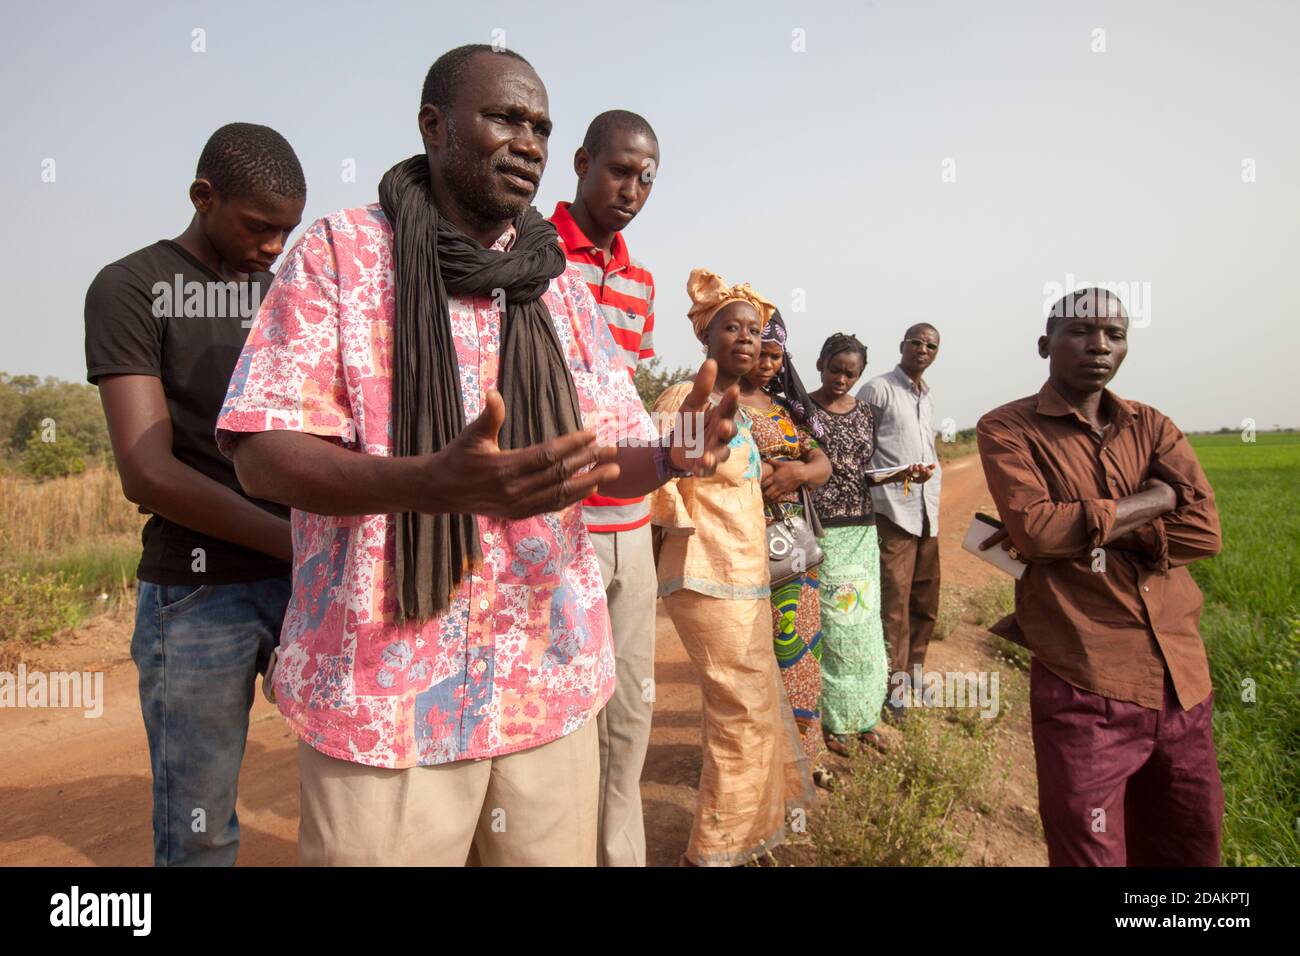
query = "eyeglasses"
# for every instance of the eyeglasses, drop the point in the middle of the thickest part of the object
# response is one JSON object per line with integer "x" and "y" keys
{"x": 921, "y": 343}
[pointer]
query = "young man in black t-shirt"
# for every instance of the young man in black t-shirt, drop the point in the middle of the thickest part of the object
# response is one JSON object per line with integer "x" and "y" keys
{"x": 164, "y": 328}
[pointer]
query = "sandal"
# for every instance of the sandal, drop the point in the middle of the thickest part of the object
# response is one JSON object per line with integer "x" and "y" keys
{"x": 838, "y": 744}
{"x": 869, "y": 738}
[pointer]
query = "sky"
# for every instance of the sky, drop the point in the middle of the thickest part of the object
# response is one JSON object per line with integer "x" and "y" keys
{"x": 864, "y": 165}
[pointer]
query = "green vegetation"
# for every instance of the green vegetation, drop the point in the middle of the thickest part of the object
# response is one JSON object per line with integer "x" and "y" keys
{"x": 69, "y": 540}
{"x": 653, "y": 377}
{"x": 1251, "y": 626}
{"x": 50, "y": 428}
{"x": 68, "y": 546}
{"x": 962, "y": 444}
{"x": 914, "y": 805}
{"x": 34, "y": 607}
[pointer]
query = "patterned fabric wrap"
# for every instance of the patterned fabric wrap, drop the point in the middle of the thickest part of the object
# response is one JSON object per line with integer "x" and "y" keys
{"x": 779, "y": 438}
{"x": 854, "y": 663}
{"x": 787, "y": 386}
{"x": 709, "y": 294}
{"x": 796, "y": 615}
{"x": 797, "y": 640}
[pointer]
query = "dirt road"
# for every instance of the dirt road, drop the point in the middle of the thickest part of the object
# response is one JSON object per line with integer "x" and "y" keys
{"x": 75, "y": 791}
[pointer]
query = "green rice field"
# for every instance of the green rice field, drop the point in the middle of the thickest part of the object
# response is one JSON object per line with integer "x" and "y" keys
{"x": 1251, "y": 626}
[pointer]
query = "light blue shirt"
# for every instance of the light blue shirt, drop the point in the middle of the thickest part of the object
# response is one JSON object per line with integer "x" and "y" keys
{"x": 904, "y": 436}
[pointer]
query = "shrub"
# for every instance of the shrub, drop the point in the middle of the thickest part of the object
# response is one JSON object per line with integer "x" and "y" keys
{"x": 36, "y": 606}
{"x": 54, "y": 459}
{"x": 652, "y": 378}
{"x": 915, "y": 804}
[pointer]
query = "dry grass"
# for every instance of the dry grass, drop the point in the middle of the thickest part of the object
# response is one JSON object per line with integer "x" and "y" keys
{"x": 68, "y": 548}
{"x": 44, "y": 517}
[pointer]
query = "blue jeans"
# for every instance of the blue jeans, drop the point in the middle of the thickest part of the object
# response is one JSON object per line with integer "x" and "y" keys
{"x": 199, "y": 650}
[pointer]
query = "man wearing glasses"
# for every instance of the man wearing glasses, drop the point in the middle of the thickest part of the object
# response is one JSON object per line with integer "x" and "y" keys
{"x": 907, "y": 514}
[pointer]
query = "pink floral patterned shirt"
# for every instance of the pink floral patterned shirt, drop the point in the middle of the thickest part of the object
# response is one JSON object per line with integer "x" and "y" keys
{"x": 523, "y": 656}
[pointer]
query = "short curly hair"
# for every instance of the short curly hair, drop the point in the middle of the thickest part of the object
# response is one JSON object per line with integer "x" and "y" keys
{"x": 605, "y": 126}
{"x": 442, "y": 82}
{"x": 245, "y": 159}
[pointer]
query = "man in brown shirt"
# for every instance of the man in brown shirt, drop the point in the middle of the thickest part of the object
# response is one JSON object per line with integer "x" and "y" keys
{"x": 1107, "y": 503}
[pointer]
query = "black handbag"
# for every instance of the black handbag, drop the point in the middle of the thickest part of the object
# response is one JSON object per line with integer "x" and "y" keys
{"x": 792, "y": 546}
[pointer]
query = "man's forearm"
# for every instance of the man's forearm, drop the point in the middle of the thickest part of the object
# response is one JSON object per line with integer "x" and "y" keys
{"x": 316, "y": 475}
{"x": 637, "y": 473}
{"x": 191, "y": 499}
{"x": 1133, "y": 511}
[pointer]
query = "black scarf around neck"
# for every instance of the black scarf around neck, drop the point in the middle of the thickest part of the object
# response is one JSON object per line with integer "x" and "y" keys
{"x": 432, "y": 258}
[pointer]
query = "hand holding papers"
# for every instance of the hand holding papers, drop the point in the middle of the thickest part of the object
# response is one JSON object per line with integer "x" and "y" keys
{"x": 982, "y": 528}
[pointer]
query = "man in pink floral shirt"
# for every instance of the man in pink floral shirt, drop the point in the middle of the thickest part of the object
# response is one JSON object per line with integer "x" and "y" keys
{"x": 471, "y": 731}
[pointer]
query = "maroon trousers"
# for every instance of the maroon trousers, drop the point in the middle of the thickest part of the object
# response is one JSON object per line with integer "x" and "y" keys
{"x": 1121, "y": 785}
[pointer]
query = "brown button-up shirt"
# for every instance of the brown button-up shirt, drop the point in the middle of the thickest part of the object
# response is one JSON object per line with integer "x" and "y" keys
{"x": 1108, "y": 619}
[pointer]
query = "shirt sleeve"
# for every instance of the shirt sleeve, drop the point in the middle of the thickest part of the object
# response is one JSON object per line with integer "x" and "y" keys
{"x": 612, "y": 407}
{"x": 874, "y": 396}
{"x": 671, "y": 503}
{"x": 124, "y": 332}
{"x": 647, "y": 334}
{"x": 1191, "y": 531}
{"x": 1040, "y": 528}
{"x": 290, "y": 375}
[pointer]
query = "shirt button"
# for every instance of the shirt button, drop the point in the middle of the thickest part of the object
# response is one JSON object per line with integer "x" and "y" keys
{"x": 480, "y": 667}
{"x": 483, "y": 605}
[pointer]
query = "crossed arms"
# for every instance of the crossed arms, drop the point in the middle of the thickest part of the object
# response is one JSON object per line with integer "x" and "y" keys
{"x": 1170, "y": 521}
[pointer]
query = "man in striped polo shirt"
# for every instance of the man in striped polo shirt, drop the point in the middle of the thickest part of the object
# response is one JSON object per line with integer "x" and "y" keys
{"x": 616, "y": 167}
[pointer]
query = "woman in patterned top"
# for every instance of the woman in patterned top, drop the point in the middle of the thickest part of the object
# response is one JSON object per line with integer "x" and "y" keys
{"x": 854, "y": 662}
{"x": 713, "y": 579}
{"x": 777, "y": 405}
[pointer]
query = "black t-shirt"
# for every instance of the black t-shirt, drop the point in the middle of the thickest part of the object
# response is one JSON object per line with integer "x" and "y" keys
{"x": 160, "y": 311}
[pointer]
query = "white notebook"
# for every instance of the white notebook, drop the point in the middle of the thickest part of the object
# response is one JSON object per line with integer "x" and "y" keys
{"x": 983, "y": 527}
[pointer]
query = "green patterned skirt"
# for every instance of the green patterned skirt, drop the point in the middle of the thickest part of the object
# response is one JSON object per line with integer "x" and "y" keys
{"x": 855, "y": 668}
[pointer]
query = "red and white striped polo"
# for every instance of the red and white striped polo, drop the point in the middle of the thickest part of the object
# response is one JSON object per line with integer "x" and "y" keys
{"x": 625, "y": 291}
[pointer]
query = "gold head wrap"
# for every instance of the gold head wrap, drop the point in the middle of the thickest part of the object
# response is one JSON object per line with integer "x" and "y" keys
{"x": 709, "y": 293}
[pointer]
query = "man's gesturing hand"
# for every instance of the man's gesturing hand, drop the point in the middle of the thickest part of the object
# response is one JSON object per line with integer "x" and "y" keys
{"x": 473, "y": 475}
{"x": 719, "y": 425}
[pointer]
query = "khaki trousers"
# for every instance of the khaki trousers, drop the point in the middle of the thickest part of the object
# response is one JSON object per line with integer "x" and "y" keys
{"x": 536, "y": 807}
{"x": 628, "y": 569}
{"x": 909, "y": 593}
